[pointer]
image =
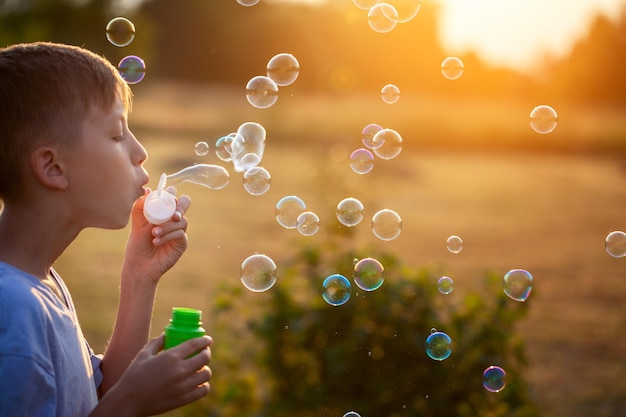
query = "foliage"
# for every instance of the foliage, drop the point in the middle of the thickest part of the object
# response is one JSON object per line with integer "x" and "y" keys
{"x": 286, "y": 352}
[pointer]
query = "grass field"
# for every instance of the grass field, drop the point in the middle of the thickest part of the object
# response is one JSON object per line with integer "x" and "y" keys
{"x": 468, "y": 167}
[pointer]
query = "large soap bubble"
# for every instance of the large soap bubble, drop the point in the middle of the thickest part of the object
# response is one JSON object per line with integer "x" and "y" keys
{"x": 518, "y": 284}
{"x": 438, "y": 345}
{"x": 120, "y": 31}
{"x": 336, "y": 290}
{"x": 369, "y": 274}
{"x": 350, "y": 211}
{"x": 382, "y": 18}
{"x": 132, "y": 69}
{"x": 494, "y": 379}
{"x": 258, "y": 273}
{"x": 308, "y": 223}
{"x": 361, "y": 161}
{"x": 386, "y": 224}
{"x": 261, "y": 92}
{"x": 287, "y": 211}
{"x": 543, "y": 119}
{"x": 390, "y": 93}
{"x": 452, "y": 68}
{"x": 615, "y": 244}
{"x": 257, "y": 180}
{"x": 283, "y": 69}
{"x": 391, "y": 144}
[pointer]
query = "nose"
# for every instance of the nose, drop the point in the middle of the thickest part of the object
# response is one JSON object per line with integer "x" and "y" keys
{"x": 139, "y": 153}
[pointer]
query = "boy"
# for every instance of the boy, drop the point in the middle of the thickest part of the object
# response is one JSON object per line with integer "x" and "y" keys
{"x": 68, "y": 162}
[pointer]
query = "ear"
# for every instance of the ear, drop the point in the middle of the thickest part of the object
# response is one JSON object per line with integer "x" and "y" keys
{"x": 48, "y": 167}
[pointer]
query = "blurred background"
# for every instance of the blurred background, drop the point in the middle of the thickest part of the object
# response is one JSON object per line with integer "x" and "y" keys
{"x": 470, "y": 166}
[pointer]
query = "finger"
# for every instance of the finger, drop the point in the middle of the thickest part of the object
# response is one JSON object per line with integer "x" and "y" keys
{"x": 197, "y": 361}
{"x": 139, "y": 203}
{"x": 192, "y": 346}
{"x": 183, "y": 204}
{"x": 196, "y": 393}
{"x": 179, "y": 235}
{"x": 202, "y": 376}
{"x": 155, "y": 345}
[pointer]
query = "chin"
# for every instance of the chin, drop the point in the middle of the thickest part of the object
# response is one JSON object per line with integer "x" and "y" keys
{"x": 114, "y": 225}
{"x": 116, "y": 222}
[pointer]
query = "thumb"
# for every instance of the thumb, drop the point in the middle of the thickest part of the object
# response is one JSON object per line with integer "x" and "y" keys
{"x": 137, "y": 215}
{"x": 141, "y": 200}
{"x": 155, "y": 345}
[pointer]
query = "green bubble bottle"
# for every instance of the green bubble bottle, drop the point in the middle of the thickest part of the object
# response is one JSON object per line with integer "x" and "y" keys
{"x": 185, "y": 324}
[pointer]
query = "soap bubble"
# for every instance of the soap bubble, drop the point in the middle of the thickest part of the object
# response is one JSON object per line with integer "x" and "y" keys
{"x": 247, "y": 161}
{"x": 120, "y": 31}
{"x": 391, "y": 144}
{"x": 210, "y": 176}
{"x": 369, "y": 133}
{"x": 365, "y": 4}
{"x": 368, "y": 274}
{"x": 615, "y": 244}
{"x": 543, "y": 119}
{"x": 517, "y": 284}
{"x": 452, "y": 68}
{"x": 438, "y": 345}
{"x": 494, "y": 379}
{"x": 283, "y": 69}
{"x": 202, "y": 148}
{"x": 336, "y": 290}
{"x": 445, "y": 285}
{"x": 223, "y": 147}
{"x": 257, "y": 180}
{"x": 351, "y": 414}
{"x": 261, "y": 92}
{"x": 350, "y": 211}
{"x": 406, "y": 10}
{"x": 248, "y": 146}
{"x": 390, "y": 93}
{"x": 132, "y": 69}
{"x": 258, "y": 273}
{"x": 386, "y": 224}
{"x": 454, "y": 244}
{"x": 248, "y": 3}
{"x": 287, "y": 211}
{"x": 382, "y": 18}
{"x": 361, "y": 161}
{"x": 308, "y": 223}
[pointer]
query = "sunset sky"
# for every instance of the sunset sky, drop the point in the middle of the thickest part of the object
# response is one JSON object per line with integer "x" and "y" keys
{"x": 519, "y": 32}
{"x": 513, "y": 33}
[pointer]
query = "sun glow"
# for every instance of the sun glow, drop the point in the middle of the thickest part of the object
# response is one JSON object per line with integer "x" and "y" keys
{"x": 519, "y": 33}
{"x": 511, "y": 33}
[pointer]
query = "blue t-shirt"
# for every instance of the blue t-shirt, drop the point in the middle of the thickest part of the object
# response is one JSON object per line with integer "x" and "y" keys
{"x": 46, "y": 366}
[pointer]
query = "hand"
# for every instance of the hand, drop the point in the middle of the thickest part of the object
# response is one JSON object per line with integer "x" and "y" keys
{"x": 153, "y": 250}
{"x": 158, "y": 381}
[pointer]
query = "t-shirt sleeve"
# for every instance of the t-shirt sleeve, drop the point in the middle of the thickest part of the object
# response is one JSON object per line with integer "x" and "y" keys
{"x": 96, "y": 362}
{"x": 35, "y": 399}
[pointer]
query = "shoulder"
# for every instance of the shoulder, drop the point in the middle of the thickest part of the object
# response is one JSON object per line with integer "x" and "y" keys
{"x": 19, "y": 292}
{"x": 26, "y": 312}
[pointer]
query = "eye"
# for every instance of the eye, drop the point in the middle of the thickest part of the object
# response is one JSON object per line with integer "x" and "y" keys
{"x": 118, "y": 138}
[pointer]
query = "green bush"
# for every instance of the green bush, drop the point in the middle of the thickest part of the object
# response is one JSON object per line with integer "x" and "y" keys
{"x": 286, "y": 352}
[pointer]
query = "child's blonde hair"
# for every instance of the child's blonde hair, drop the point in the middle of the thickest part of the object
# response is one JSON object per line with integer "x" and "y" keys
{"x": 46, "y": 90}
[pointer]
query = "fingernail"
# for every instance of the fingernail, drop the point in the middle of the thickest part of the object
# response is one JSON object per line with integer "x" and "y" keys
{"x": 178, "y": 215}
{"x": 157, "y": 231}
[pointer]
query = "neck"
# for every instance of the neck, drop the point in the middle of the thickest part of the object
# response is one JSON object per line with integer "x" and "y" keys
{"x": 32, "y": 239}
